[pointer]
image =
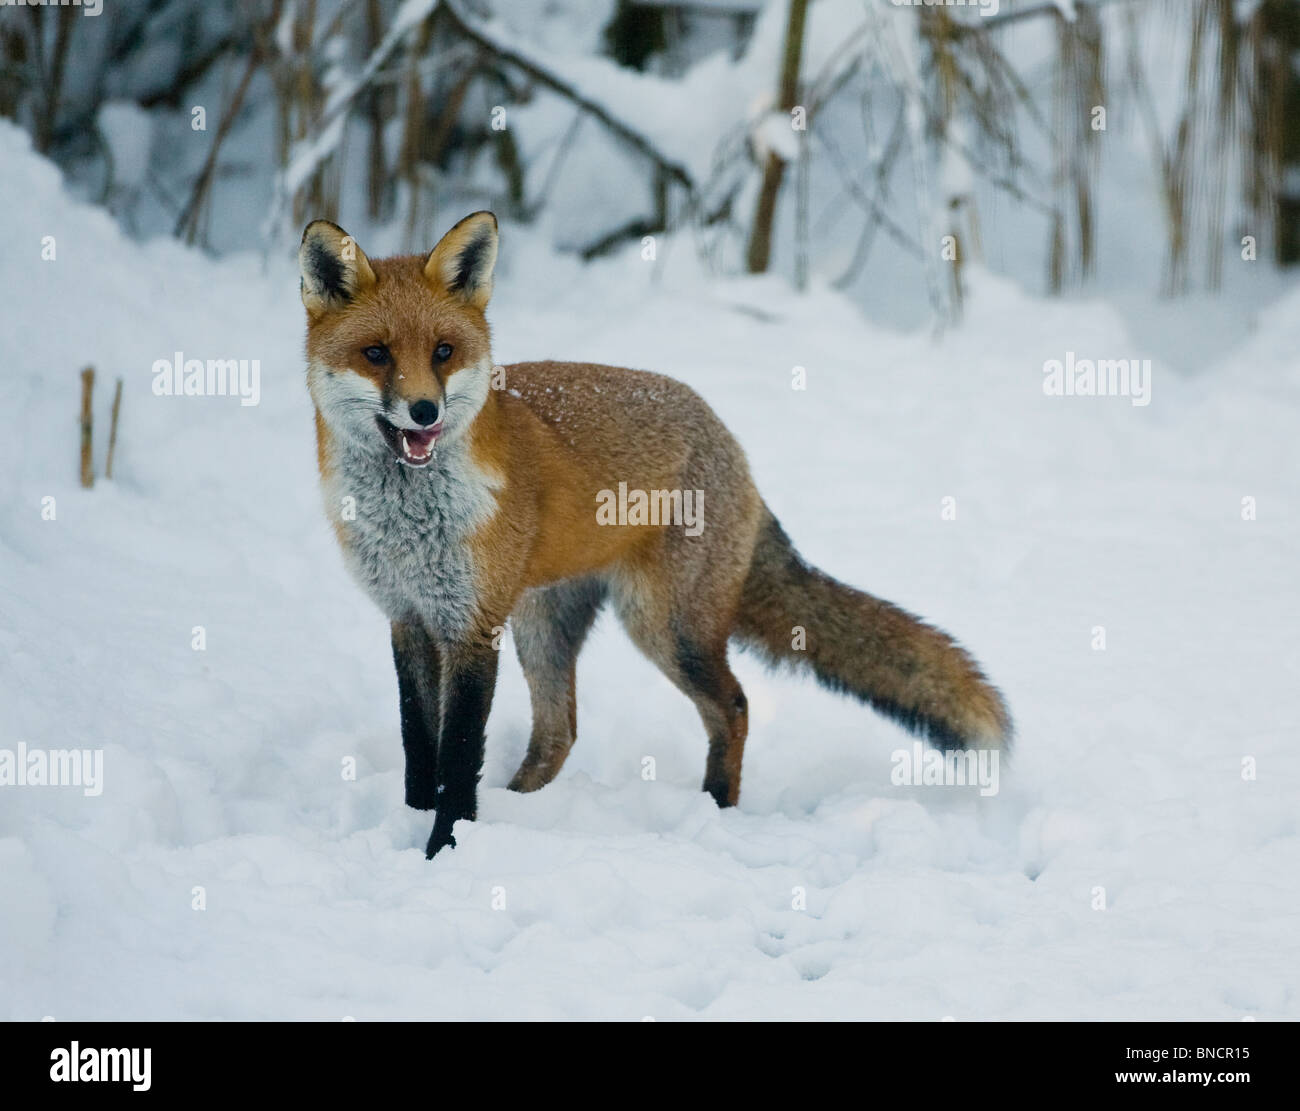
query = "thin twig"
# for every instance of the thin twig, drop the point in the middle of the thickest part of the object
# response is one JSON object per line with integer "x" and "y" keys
{"x": 112, "y": 429}
{"x": 189, "y": 217}
{"x": 87, "y": 427}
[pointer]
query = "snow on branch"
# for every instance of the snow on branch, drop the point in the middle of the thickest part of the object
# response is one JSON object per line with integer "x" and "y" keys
{"x": 514, "y": 52}
{"x": 589, "y": 83}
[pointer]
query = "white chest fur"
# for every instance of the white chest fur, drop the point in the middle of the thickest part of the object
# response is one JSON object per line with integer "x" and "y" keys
{"x": 407, "y": 532}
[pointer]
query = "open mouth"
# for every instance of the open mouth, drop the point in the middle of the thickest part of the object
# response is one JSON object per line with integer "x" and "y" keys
{"x": 412, "y": 446}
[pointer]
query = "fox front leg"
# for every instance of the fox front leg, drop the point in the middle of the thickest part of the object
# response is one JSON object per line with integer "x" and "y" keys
{"x": 469, "y": 676}
{"x": 419, "y": 669}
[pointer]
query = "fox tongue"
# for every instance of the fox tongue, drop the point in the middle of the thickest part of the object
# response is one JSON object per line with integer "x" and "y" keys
{"x": 417, "y": 446}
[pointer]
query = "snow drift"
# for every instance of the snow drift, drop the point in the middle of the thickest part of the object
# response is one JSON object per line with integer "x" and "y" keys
{"x": 249, "y": 855}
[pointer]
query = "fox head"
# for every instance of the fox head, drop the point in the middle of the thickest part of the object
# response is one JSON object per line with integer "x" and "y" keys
{"x": 398, "y": 350}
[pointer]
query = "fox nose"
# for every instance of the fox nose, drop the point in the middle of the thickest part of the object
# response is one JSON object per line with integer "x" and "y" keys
{"x": 424, "y": 412}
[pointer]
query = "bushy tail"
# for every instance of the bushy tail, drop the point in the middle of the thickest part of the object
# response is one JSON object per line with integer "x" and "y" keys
{"x": 860, "y": 645}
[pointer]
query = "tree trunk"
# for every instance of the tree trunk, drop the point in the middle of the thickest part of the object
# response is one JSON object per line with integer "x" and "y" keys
{"x": 760, "y": 238}
{"x": 1277, "y": 133}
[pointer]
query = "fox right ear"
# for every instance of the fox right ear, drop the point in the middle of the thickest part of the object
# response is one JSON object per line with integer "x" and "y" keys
{"x": 333, "y": 268}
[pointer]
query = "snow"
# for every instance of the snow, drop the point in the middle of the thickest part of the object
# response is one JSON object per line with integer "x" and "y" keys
{"x": 128, "y": 131}
{"x": 829, "y": 892}
{"x": 775, "y": 133}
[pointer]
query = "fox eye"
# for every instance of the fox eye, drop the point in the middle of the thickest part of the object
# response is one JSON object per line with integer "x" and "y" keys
{"x": 442, "y": 352}
{"x": 377, "y": 354}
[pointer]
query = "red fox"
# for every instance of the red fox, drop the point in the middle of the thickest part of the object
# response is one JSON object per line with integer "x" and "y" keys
{"x": 465, "y": 495}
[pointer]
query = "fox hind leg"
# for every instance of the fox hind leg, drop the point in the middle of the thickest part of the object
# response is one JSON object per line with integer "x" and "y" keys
{"x": 708, "y": 681}
{"x": 549, "y": 626}
{"x": 693, "y": 656}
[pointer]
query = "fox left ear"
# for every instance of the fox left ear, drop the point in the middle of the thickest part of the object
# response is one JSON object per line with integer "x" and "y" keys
{"x": 462, "y": 261}
{"x": 333, "y": 268}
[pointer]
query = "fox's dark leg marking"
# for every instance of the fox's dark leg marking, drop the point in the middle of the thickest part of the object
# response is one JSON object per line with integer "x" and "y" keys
{"x": 708, "y": 680}
{"x": 549, "y": 626}
{"x": 469, "y": 676}
{"x": 418, "y": 681}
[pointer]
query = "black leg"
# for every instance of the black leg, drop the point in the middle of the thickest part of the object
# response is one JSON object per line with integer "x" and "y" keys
{"x": 418, "y": 685}
{"x": 469, "y": 677}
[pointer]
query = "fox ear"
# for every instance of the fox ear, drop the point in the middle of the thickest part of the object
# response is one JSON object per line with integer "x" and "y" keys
{"x": 334, "y": 269}
{"x": 462, "y": 261}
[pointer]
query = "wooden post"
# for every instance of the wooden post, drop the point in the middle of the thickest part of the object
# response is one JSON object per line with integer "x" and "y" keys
{"x": 760, "y": 236}
{"x": 112, "y": 429}
{"x": 87, "y": 427}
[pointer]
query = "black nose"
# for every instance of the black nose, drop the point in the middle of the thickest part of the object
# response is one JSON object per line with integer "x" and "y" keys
{"x": 424, "y": 412}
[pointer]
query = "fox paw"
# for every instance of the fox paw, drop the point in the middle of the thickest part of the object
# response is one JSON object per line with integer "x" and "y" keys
{"x": 439, "y": 839}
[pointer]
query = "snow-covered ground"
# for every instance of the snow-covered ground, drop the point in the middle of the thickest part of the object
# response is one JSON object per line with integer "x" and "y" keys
{"x": 830, "y": 892}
